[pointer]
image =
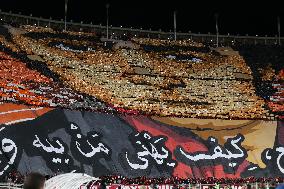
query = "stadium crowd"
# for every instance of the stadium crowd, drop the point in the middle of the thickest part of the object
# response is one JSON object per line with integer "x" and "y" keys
{"x": 21, "y": 82}
{"x": 162, "y": 77}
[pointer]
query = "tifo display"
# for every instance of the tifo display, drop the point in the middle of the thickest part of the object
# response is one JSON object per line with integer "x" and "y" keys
{"x": 158, "y": 77}
{"x": 152, "y": 111}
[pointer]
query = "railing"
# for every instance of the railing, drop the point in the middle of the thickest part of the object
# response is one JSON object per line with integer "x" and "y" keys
{"x": 118, "y": 32}
{"x": 10, "y": 186}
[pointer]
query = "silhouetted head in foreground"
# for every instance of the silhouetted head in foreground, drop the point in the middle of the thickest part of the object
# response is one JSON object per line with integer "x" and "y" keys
{"x": 34, "y": 181}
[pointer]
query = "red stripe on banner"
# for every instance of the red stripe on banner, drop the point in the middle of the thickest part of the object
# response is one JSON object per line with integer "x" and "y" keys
{"x": 142, "y": 123}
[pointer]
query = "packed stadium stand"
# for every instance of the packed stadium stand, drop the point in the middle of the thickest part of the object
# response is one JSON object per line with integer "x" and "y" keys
{"x": 136, "y": 108}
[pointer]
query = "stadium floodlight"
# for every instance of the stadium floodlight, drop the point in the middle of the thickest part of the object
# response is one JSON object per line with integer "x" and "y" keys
{"x": 107, "y": 19}
{"x": 279, "y": 30}
{"x": 65, "y": 15}
{"x": 217, "y": 29}
{"x": 175, "y": 25}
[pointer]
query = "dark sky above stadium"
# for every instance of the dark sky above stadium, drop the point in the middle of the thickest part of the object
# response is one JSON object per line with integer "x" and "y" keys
{"x": 235, "y": 17}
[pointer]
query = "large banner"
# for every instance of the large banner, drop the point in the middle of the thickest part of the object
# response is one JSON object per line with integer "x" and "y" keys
{"x": 53, "y": 141}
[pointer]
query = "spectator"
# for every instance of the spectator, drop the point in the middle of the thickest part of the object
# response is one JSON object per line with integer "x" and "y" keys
{"x": 34, "y": 181}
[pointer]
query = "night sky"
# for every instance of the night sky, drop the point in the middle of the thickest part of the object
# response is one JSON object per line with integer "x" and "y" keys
{"x": 235, "y": 17}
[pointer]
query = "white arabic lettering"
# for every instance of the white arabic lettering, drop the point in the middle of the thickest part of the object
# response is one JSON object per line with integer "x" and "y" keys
{"x": 101, "y": 148}
{"x": 153, "y": 152}
{"x": 281, "y": 151}
{"x": 218, "y": 152}
{"x": 8, "y": 146}
{"x": 37, "y": 143}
